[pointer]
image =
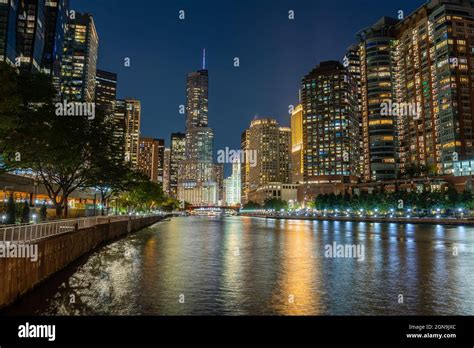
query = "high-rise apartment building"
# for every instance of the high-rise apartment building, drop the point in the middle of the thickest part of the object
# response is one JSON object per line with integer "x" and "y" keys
{"x": 416, "y": 96}
{"x": 378, "y": 129}
{"x": 330, "y": 124}
{"x": 80, "y": 59}
{"x": 177, "y": 155}
{"x": 270, "y": 146}
{"x": 151, "y": 158}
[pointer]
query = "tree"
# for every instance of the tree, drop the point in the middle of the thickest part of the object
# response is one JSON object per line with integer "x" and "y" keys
{"x": 275, "y": 204}
{"x": 11, "y": 218}
{"x": 251, "y": 206}
{"x": 63, "y": 151}
{"x": 43, "y": 212}
{"x": 25, "y": 213}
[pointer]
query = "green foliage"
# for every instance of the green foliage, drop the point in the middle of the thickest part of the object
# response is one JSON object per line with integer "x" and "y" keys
{"x": 145, "y": 196}
{"x": 276, "y": 204}
{"x": 43, "y": 212}
{"x": 25, "y": 213}
{"x": 11, "y": 211}
{"x": 384, "y": 201}
{"x": 251, "y": 206}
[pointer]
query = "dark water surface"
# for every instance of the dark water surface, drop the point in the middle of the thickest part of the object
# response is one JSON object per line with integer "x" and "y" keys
{"x": 251, "y": 266}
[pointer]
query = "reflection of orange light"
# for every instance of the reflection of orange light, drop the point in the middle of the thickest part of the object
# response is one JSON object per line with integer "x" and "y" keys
{"x": 301, "y": 273}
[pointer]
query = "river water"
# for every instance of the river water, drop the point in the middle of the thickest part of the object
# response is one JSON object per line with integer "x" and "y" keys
{"x": 252, "y": 266}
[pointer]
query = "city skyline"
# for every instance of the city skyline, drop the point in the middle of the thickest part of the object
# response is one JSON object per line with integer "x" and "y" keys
{"x": 263, "y": 57}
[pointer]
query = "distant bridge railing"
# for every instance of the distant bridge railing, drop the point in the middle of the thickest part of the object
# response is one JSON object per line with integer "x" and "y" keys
{"x": 28, "y": 233}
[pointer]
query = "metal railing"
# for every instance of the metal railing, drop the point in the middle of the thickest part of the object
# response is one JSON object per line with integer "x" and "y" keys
{"x": 30, "y": 233}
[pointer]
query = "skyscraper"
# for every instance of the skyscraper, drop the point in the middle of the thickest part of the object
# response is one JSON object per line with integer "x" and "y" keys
{"x": 80, "y": 59}
{"x": 196, "y": 179}
{"x": 31, "y": 34}
{"x": 433, "y": 57}
{"x": 166, "y": 171}
{"x": 8, "y": 16}
{"x": 245, "y": 167}
{"x": 297, "y": 145}
{"x": 232, "y": 184}
{"x": 270, "y": 147}
{"x": 177, "y": 155}
{"x": 132, "y": 130}
{"x": 56, "y": 22}
{"x": 379, "y": 131}
{"x": 160, "y": 143}
{"x": 106, "y": 91}
{"x": 150, "y": 159}
{"x": 330, "y": 125}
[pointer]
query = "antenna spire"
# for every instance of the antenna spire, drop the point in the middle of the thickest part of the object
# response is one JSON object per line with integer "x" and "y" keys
{"x": 204, "y": 59}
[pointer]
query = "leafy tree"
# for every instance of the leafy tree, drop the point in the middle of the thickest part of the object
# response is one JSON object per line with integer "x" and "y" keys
{"x": 276, "y": 204}
{"x": 43, "y": 212}
{"x": 25, "y": 213}
{"x": 11, "y": 211}
{"x": 251, "y": 206}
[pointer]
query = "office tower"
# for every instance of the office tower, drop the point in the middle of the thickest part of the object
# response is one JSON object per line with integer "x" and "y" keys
{"x": 178, "y": 154}
{"x": 132, "y": 130}
{"x": 268, "y": 154}
{"x": 284, "y": 151}
{"x": 196, "y": 180}
{"x": 30, "y": 34}
{"x": 433, "y": 57}
{"x": 218, "y": 176}
{"x": 245, "y": 166}
{"x": 166, "y": 171}
{"x": 330, "y": 125}
{"x": 149, "y": 158}
{"x": 160, "y": 143}
{"x": 379, "y": 130}
{"x": 119, "y": 128}
{"x": 80, "y": 59}
{"x": 56, "y": 22}
{"x": 297, "y": 145}
{"x": 8, "y": 16}
{"x": 232, "y": 186}
{"x": 106, "y": 91}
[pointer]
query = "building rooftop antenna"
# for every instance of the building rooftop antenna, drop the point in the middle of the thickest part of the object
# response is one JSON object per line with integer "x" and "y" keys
{"x": 204, "y": 59}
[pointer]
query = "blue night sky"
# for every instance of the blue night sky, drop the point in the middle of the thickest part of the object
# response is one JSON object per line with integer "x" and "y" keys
{"x": 274, "y": 52}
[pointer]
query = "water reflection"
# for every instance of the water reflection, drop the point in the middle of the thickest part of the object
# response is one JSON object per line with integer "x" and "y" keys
{"x": 249, "y": 266}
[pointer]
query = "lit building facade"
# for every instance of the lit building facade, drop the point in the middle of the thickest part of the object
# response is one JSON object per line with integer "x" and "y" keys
{"x": 297, "y": 145}
{"x": 177, "y": 155}
{"x": 197, "y": 183}
{"x": 149, "y": 158}
{"x": 232, "y": 184}
{"x": 330, "y": 123}
{"x": 166, "y": 171}
{"x": 8, "y": 15}
{"x": 132, "y": 130}
{"x": 106, "y": 91}
{"x": 80, "y": 59}
{"x": 379, "y": 130}
{"x": 271, "y": 145}
{"x": 245, "y": 167}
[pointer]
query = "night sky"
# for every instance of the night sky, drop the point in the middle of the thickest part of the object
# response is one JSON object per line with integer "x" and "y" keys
{"x": 274, "y": 53}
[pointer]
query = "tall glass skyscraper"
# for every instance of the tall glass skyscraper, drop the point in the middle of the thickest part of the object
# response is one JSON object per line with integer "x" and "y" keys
{"x": 197, "y": 184}
{"x": 8, "y": 15}
{"x": 80, "y": 59}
